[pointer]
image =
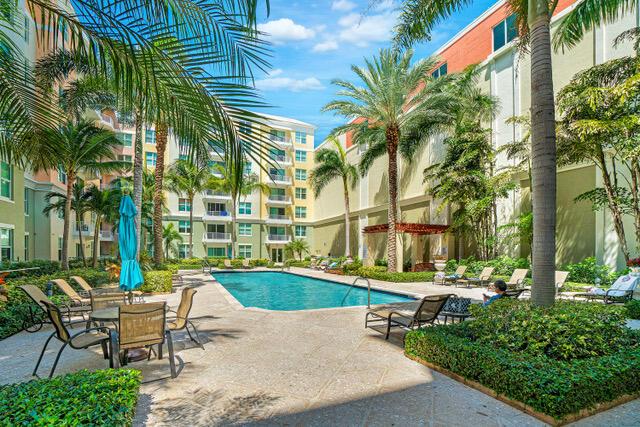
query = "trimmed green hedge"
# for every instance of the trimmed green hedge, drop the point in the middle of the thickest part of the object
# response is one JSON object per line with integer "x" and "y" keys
{"x": 106, "y": 398}
{"x": 381, "y": 273}
{"x": 633, "y": 309}
{"x": 157, "y": 281}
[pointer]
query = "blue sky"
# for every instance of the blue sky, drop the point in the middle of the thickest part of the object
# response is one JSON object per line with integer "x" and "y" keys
{"x": 316, "y": 41}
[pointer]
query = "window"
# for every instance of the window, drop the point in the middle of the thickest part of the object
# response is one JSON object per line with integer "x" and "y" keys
{"x": 183, "y": 150}
{"x": 301, "y": 174}
{"x": 244, "y": 251}
{"x": 301, "y": 193}
{"x": 301, "y": 212}
{"x": 244, "y": 208}
{"x": 26, "y": 247}
{"x": 6, "y": 180}
{"x": 216, "y": 252}
{"x": 301, "y": 156}
{"x": 125, "y": 158}
{"x": 300, "y": 230}
{"x": 276, "y": 135}
{"x": 247, "y": 168}
{"x": 150, "y": 136}
{"x": 183, "y": 157}
{"x": 62, "y": 175}
{"x": 440, "y": 71}
{"x": 151, "y": 159}
{"x": 27, "y": 28}
{"x": 59, "y": 248}
{"x": 184, "y": 205}
{"x": 126, "y": 139}
{"x": 27, "y": 205}
{"x": 244, "y": 229}
{"x": 504, "y": 32}
{"x": 6, "y": 244}
{"x": 301, "y": 137}
{"x": 183, "y": 250}
{"x": 277, "y": 154}
{"x": 184, "y": 227}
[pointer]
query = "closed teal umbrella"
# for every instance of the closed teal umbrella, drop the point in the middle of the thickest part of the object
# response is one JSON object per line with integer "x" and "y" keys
{"x": 130, "y": 274}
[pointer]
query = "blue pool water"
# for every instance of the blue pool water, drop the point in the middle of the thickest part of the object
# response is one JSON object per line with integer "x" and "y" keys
{"x": 287, "y": 292}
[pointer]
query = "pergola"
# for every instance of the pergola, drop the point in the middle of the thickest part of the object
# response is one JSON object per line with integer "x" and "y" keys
{"x": 417, "y": 232}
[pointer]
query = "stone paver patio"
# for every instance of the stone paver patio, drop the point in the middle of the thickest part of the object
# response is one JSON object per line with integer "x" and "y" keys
{"x": 315, "y": 367}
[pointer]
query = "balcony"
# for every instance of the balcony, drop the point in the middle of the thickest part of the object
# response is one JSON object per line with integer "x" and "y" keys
{"x": 282, "y": 160}
{"x": 282, "y": 142}
{"x": 211, "y": 237}
{"x": 86, "y": 230}
{"x": 279, "y": 219}
{"x": 278, "y": 200}
{"x": 277, "y": 179}
{"x": 216, "y": 195}
{"x": 278, "y": 239}
{"x": 106, "y": 236}
{"x": 217, "y": 216}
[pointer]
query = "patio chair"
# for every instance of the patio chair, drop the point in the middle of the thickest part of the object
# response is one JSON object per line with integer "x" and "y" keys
{"x": 246, "y": 264}
{"x": 227, "y": 264}
{"x": 427, "y": 312}
{"x": 513, "y": 293}
{"x": 106, "y": 298}
{"x": 621, "y": 291}
{"x": 143, "y": 325}
{"x": 561, "y": 279}
{"x": 78, "y": 341}
{"x": 517, "y": 278}
{"x": 483, "y": 278}
{"x": 456, "y": 308}
{"x": 452, "y": 278}
{"x": 86, "y": 287}
{"x": 39, "y": 298}
{"x": 181, "y": 320}
{"x": 68, "y": 290}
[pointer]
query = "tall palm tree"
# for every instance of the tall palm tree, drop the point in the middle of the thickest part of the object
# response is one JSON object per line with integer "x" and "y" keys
{"x": 169, "y": 236}
{"x": 188, "y": 179}
{"x": 332, "y": 164}
{"x": 101, "y": 203}
{"x": 237, "y": 184}
{"x": 396, "y": 99}
{"x": 417, "y": 20}
{"x": 75, "y": 149}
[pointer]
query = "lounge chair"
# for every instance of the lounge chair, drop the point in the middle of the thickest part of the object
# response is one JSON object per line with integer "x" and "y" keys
{"x": 143, "y": 325}
{"x": 227, "y": 264}
{"x": 404, "y": 316}
{"x": 621, "y": 291}
{"x": 181, "y": 320}
{"x": 78, "y": 341}
{"x": 39, "y": 298}
{"x": 482, "y": 280}
{"x": 86, "y": 287}
{"x": 452, "y": 278}
{"x": 68, "y": 290}
{"x": 513, "y": 293}
{"x": 246, "y": 264}
{"x": 561, "y": 279}
{"x": 517, "y": 278}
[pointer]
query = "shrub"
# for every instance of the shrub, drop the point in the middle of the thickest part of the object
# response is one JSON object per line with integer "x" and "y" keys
{"x": 502, "y": 265}
{"x": 380, "y": 273}
{"x": 633, "y": 309}
{"x": 261, "y": 262}
{"x": 588, "y": 271}
{"x": 297, "y": 263}
{"x": 380, "y": 262}
{"x": 105, "y": 397}
{"x": 352, "y": 269}
{"x": 44, "y": 267}
{"x": 555, "y": 387}
{"x": 157, "y": 281}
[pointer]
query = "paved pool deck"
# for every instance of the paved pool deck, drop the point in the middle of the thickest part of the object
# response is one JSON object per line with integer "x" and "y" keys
{"x": 315, "y": 367}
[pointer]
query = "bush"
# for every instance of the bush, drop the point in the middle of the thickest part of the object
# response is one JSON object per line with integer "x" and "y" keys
{"x": 555, "y": 387}
{"x": 351, "y": 269}
{"x": 380, "y": 273}
{"x": 588, "y": 271}
{"x": 503, "y": 265}
{"x": 633, "y": 309}
{"x": 157, "y": 281}
{"x": 297, "y": 263}
{"x": 567, "y": 330}
{"x": 44, "y": 267}
{"x": 105, "y": 397}
{"x": 261, "y": 262}
{"x": 380, "y": 262}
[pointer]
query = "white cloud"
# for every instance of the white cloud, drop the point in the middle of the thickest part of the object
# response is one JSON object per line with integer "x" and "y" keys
{"x": 275, "y": 72}
{"x": 290, "y": 84}
{"x": 326, "y": 46}
{"x": 364, "y": 29}
{"x": 384, "y": 5}
{"x": 284, "y": 29}
{"x": 343, "y": 5}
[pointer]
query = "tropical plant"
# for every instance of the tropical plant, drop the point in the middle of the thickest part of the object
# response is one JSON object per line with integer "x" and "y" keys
{"x": 332, "y": 164}
{"x": 188, "y": 179}
{"x": 297, "y": 247}
{"x": 103, "y": 206}
{"x": 74, "y": 149}
{"x": 417, "y": 21}
{"x": 170, "y": 236}
{"x": 396, "y": 110}
{"x": 233, "y": 181}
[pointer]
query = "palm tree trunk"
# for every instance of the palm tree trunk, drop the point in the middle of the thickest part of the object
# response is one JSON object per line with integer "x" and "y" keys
{"x": 79, "y": 225}
{"x": 392, "y": 135}
{"x": 191, "y": 226}
{"x": 233, "y": 228}
{"x": 96, "y": 237}
{"x": 347, "y": 225}
{"x": 543, "y": 155}
{"x": 64, "y": 259}
{"x": 161, "y": 144}
{"x": 137, "y": 178}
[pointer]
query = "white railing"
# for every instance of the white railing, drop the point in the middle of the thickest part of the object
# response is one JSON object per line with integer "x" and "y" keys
{"x": 217, "y": 236}
{"x": 219, "y": 214}
{"x": 106, "y": 235}
{"x": 279, "y": 198}
{"x": 279, "y": 238}
{"x": 281, "y": 158}
{"x": 280, "y": 139}
{"x": 278, "y": 217}
{"x": 219, "y": 194}
{"x": 277, "y": 178}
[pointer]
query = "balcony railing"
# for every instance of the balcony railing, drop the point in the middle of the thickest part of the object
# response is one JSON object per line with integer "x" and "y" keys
{"x": 278, "y": 238}
{"x": 282, "y": 159}
{"x": 278, "y": 217}
{"x": 279, "y": 198}
{"x": 280, "y": 179}
{"x": 216, "y": 194}
{"x": 220, "y": 214}
{"x": 106, "y": 235}
{"x": 280, "y": 140}
{"x": 212, "y": 236}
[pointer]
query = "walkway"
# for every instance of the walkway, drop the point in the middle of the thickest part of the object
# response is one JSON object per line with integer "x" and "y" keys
{"x": 293, "y": 368}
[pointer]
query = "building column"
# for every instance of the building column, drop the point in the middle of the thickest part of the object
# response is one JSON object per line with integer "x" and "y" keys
{"x": 368, "y": 260}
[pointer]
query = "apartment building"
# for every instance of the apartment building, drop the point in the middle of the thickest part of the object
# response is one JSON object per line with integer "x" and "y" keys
{"x": 505, "y": 73}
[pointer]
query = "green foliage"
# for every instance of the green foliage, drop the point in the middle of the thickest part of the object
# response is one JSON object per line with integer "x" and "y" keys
{"x": 633, "y": 309}
{"x": 297, "y": 263}
{"x": 381, "y": 273}
{"x": 106, "y": 397}
{"x": 157, "y": 281}
{"x": 589, "y": 270}
{"x": 352, "y": 269}
{"x": 503, "y": 265}
{"x": 567, "y": 330}
{"x": 44, "y": 267}
{"x": 554, "y": 387}
{"x": 261, "y": 262}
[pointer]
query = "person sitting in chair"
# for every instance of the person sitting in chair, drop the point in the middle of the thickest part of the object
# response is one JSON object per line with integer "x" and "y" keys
{"x": 500, "y": 287}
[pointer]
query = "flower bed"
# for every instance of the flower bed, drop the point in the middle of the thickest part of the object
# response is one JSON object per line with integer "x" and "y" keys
{"x": 105, "y": 397}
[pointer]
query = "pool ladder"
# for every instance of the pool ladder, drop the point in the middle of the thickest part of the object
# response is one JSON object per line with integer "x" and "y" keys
{"x": 368, "y": 290}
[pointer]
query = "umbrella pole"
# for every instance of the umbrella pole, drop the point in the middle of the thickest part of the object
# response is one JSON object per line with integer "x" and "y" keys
{"x": 130, "y": 296}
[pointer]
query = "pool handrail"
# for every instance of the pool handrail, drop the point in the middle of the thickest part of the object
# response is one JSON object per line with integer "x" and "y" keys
{"x": 368, "y": 290}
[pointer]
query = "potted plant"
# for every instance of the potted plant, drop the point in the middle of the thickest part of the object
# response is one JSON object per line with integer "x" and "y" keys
{"x": 634, "y": 265}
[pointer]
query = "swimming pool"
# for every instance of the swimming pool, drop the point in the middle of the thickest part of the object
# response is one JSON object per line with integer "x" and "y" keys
{"x": 288, "y": 292}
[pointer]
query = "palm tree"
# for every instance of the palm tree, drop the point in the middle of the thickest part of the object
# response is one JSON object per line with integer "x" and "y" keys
{"x": 397, "y": 100}
{"x": 333, "y": 164}
{"x": 297, "y": 247}
{"x": 237, "y": 184}
{"x": 417, "y": 20}
{"x": 188, "y": 179}
{"x": 74, "y": 149}
{"x": 170, "y": 235}
{"x": 102, "y": 204}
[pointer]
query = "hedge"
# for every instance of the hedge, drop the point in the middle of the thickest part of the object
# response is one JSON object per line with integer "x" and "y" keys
{"x": 157, "y": 281}
{"x": 381, "y": 273}
{"x": 554, "y": 387}
{"x": 105, "y": 398}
